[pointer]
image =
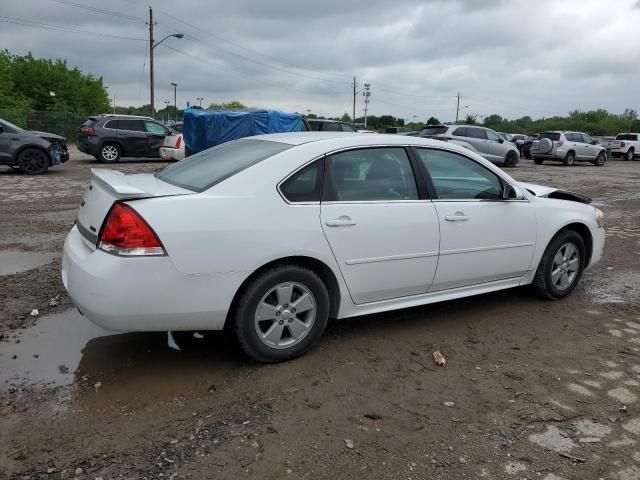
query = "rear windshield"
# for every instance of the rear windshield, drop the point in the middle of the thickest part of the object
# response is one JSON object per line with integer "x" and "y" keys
{"x": 209, "y": 167}
{"x": 627, "y": 136}
{"x": 439, "y": 130}
{"x": 554, "y": 136}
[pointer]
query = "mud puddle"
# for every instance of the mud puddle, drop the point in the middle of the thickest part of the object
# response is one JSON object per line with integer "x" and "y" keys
{"x": 48, "y": 353}
{"x": 66, "y": 348}
{"x": 613, "y": 287}
{"x": 15, "y": 261}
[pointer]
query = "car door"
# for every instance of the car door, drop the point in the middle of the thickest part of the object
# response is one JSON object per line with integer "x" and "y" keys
{"x": 156, "y": 134}
{"x": 132, "y": 137}
{"x": 496, "y": 150}
{"x": 383, "y": 233}
{"x": 483, "y": 237}
{"x": 590, "y": 151}
{"x": 7, "y": 137}
{"x": 477, "y": 138}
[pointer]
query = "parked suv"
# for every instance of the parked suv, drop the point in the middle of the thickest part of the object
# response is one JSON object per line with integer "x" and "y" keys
{"x": 322, "y": 125}
{"x": 485, "y": 141}
{"x": 109, "y": 137}
{"x": 568, "y": 148}
{"x": 30, "y": 152}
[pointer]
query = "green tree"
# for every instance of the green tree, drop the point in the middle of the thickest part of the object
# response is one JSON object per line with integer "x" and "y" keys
{"x": 433, "y": 121}
{"x": 345, "y": 117}
{"x": 233, "y": 105}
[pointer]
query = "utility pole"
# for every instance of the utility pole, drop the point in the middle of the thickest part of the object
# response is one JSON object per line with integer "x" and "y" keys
{"x": 114, "y": 104}
{"x": 200, "y": 99}
{"x": 151, "y": 60}
{"x": 175, "y": 101}
{"x": 366, "y": 94}
{"x": 458, "y": 108}
{"x": 355, "y": 85}
{"x": 153, "y": 45}
{"x": 165, "y": 116}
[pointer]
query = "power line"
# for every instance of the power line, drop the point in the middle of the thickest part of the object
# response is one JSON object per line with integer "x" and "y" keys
{"x": 99, "y": 10}
{"x": 48, "y": 26}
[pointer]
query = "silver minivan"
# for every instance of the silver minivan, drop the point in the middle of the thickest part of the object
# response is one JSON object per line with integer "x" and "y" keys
{"x": 484, "y": 141}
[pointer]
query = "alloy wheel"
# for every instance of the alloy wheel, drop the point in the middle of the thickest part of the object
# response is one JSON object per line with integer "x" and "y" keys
{"x": 566, "y": 265}
{"x": 33, "y": 161}
{"x": 285, "y": 315}
{"x": 110, "y": 153}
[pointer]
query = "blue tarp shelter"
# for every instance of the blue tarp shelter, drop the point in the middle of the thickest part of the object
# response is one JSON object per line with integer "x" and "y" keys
{"x": 205, "y": 129}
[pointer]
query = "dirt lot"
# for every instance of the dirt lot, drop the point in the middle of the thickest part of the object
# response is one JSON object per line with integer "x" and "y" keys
{"x": 540, "y": 390}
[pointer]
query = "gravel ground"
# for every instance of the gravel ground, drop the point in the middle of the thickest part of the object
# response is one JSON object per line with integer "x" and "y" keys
{"x": 531, "y": 389}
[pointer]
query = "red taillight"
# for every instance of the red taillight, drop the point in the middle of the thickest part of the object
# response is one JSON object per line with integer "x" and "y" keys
{"x": 178, "y": 141}
{"x": 560, "y": 142}
{"x": 126, "y": 233}
{"x": 87, "y": 130}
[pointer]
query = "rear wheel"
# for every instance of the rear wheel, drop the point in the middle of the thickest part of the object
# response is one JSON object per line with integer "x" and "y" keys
{"x": 538, "y": 161}
{"x": 561, "y": 266}
{"x": 629, "y": 155}
{"x": 109, "y": 153}
{"x": 570, "y": 159}
{"x": 33, "y": 161}
{"x": 281, "y": 314}
{"x": 600, "y": 160}
{"x": 511, "y": 159}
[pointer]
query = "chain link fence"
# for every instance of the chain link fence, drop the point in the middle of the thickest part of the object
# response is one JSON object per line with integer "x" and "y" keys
{"x": 60, "y": 123}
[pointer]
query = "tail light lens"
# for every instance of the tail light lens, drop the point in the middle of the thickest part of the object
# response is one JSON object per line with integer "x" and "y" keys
{"x": 87, "y": 130}
{"x": 125, "y": 233}
{"x": 560, "y": 142}
{"x": 178, "y": 141}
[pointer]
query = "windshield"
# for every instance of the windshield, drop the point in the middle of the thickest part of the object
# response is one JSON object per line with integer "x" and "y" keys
{"x": 11, "y": 125}
{"x": 209, "y": 167}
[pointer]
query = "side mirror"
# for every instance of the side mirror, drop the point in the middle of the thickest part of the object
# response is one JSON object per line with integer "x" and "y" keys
{"x": 595, "y": 142}
{"x": 510, "y": 193}
{"x": 501, "y": 140}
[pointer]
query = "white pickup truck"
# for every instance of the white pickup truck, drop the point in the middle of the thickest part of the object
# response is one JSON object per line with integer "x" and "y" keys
{"x": 625, "y": 145}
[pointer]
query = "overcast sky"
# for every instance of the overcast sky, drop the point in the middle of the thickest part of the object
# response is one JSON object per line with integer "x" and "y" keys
{"x": 511, "y": 57}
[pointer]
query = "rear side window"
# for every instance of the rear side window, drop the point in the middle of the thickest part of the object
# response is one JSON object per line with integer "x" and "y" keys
{"x": 460, "y": 132}
{"x": 553, "y": 136}
{"x": 437, "y": 130}
{"x": 111, "y": 124}
{"x": 627, "y": 136}
{"x": 331, "y": 127}
{"x": 131, "y": 125}
{"x": 305, "y": 185}
{"x": 473, "y": 132}
{"x": 372, "y": 174}
{"x": 315, "y": 126}
{"x": 209, "y": 167}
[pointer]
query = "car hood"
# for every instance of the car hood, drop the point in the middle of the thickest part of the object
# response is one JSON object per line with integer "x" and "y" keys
{"x": 550, "y": 192}
{"x": 47, "y": 135}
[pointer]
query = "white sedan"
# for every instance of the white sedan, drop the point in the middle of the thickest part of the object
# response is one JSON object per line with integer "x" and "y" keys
{"x": 172, "y": 148}
{"x": 273, "y": 235}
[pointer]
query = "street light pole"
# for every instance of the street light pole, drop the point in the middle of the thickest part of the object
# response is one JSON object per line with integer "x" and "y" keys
{"x": 200, "y": 99}
{"x": 153, "y": 45}
{"x": 175, "y": 102}
{"x": 166, "y": 110}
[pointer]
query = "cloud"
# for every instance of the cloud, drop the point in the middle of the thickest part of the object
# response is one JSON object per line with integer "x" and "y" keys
{"x": 509, "y": 57}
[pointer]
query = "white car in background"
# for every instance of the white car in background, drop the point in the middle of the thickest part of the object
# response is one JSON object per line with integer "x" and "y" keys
{"x": 273, "y": 235}
{"x": 173, "y": 147}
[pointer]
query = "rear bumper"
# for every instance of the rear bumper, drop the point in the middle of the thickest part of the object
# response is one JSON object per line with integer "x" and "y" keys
{"x": 168, "y": 153}
{"x": 87, "y": 147}
{"x": 145, "y": 293}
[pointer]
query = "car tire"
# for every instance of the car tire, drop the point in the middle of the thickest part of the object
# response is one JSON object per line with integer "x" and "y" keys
{"x": 556, "y": 276}
{"x": 629, "y": 155}
{"x": 511, "y": 159}
{"x": 569, "y": 159}
{"x": 600, "y": 160}
{"x": 109, "y": 153}
{"x": 527, "y": 154}
{"x": 33, "y": 161}
{"x": 266, "y": 325}
{"x": 538, "y": 161}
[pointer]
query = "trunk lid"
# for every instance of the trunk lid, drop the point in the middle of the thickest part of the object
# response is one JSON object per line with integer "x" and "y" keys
{"x": 109, "y": 186}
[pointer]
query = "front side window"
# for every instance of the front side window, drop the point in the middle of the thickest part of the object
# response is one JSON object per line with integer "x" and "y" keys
{"x": 455, "y": 177}
{"x": 305, "y": 185}
{"x": 587, "y": 139}
{"x": 494, "y": 136}
{"x": 372, "y": 174}
{"x": 209, "y": 167}
{"x": 7, "y": 127}
{"x": 474, "y": 132}
{"x": 156, "y": 128}
{"x": 331, "y": 127}
{"x": 346, "y": 127}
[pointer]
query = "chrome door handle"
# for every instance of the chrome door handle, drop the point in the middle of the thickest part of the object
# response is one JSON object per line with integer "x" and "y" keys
{"x": 343, "y": 221}
{"x": 458, "y": 217}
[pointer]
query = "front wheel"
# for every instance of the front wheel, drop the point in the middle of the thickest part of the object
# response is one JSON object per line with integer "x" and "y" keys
{"x": 561, "y": 266}
{"x": 33, "y": 161}
{"x": 600, "y": 160}
{"x": 511, "y": 159}
{"x": 281, "y": 314}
